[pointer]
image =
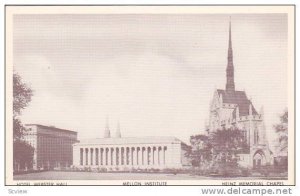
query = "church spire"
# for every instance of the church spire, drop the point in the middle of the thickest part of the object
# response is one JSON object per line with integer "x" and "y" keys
{"x": 106, "y": 131}
{"x": 230, "y": 69}
{"x": 118, "y": 133}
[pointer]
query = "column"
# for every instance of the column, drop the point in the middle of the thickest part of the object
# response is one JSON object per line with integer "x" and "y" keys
{"x": 108, "y": 157}
{"x": 81, "y": 156}
{"x": 129, "y": 156}
{"x": 97, "y": 156}
{"x": 105, "y": 156}
{"x": 120, "y": 156}
{"x": 164, "y": 154}
{"x": 116, "y": 156}
{"x": 84, "y": 157}
{"x": 159, "y": 155}
{"x": 112, "y": 152}
{"x": 87, "y": 156}
{"x": 158, "y": 158}
{"x": 123, "y": 156}
{"x": 100, "y": 156}
{"x": 126, "y": 156}
{"x": 149, "y": 157}
{"x": 92, "y": 155}
{"x": 154, "y": 155}
{"x": 133, "y": 155}
{"x": 139, "y": 152}
{"x": 144, "y": 153}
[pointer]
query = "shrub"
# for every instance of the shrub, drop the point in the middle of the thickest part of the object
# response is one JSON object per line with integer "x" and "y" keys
{"x": 245, "y": 172}
{"x": 103, "y": 170}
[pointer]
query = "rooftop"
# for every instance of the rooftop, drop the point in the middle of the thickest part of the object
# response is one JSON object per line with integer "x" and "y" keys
{"x": 132, "y": 140}
{"x": 52, "y": 128}
{"x": 237, "y": 97}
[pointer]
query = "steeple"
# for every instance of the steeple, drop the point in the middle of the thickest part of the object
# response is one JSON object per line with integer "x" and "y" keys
{"x": 118, "y": 132}
{"x": 106, "y": 131}
{"x": 230, "y": 69}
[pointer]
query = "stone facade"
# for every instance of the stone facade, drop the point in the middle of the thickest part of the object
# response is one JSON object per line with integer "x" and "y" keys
{"x": 232, "y": 108}
{"x": 128, "y": 153}
{"x": 52, "y": 146}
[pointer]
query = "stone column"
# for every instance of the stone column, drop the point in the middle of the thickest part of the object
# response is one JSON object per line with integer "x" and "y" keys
{"x": 97, "y": 156}
{"x": 87, "y": 156}
{"x": 129, "y": 156}
{"x": 108, "y": 157}
{"x": 139, "y": 152}
{"x": 122, "y": 156}
{"x": 159, "y": 155}
{"x": 150, "y": 156}
{"x": 133, "y": 149}
{"x": 154, "y": 155}
{"x": 116, "y": 156}
{"x": 104, "y": 156}
{"x": 83, "y": 156}
{"x": 92, "y": 156}
{"x": 100, "y": 157}
{"x": 112, "y": 156}
{"x": 164, "y": 155}
{"x": 126, "y": 156}
{"x": 144, "y": 152}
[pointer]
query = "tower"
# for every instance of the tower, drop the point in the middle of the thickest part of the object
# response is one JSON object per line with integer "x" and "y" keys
{"x": 118, "y": 132}
{"x": 230, "y": 69}
{"x": 106, "y": 130}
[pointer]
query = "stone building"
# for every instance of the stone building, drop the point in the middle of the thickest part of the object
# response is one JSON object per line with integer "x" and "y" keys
{"x": 52, "y": 146}
{"x": 126, "y": 153}
{"x": 232, "y": 108}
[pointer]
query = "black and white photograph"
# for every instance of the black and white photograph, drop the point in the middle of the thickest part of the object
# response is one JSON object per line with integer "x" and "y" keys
{"x": 166, "y": 95}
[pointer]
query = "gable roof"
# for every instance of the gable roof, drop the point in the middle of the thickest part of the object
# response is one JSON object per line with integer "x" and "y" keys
{"x": 237, "y": 97}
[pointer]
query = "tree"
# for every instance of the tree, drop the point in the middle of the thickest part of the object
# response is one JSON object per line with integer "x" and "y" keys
{"x": 22, "y": 151}
{"x": 217, "y": 153}
{"x": 282, "y": 131}
{"x": 226, "y": 145}
{"x": 21, "y": 97}
{"x": 21, "y": 94}
{"x": 229, "y": 141}
{"x": 200, "y": 153}
{"x": 22, "y": 155}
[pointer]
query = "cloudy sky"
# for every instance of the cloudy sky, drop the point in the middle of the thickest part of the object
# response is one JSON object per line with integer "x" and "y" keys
{"x": 155, "y": 73}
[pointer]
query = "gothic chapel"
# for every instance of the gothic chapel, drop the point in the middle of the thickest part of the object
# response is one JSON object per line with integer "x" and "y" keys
{"x": 230, "y": 107}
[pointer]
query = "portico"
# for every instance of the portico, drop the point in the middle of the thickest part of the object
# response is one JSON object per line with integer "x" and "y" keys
{"x": 121, "y": 153}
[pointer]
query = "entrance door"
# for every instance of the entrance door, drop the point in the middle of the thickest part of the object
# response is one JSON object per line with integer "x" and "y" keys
{"x": 257, "y": 160}
{"x": 258, "y": 163}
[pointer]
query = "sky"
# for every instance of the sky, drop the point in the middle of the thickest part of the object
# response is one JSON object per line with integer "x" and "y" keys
{"x": 154, "y": 73}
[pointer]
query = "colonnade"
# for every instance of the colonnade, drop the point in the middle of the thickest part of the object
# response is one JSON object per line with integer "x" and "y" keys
{"x": 123, "y": 156}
